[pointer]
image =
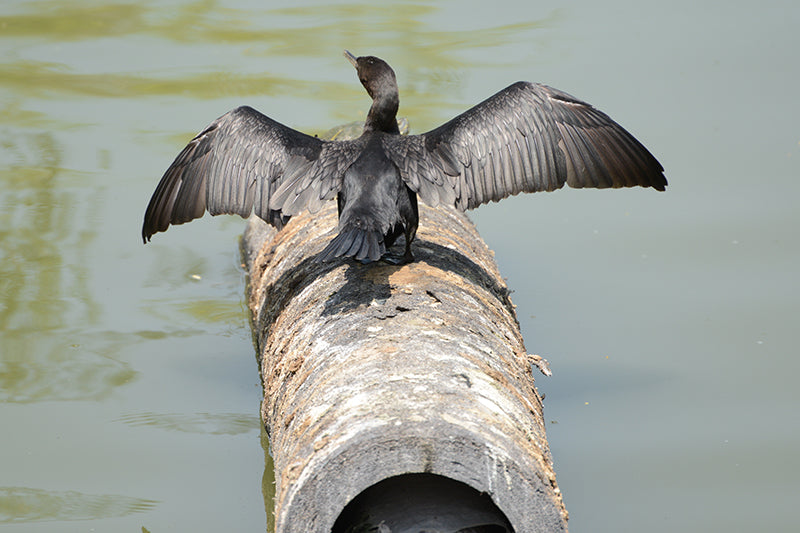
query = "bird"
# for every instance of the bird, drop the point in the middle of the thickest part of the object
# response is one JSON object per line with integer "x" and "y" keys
{"x": 529, "y": 137}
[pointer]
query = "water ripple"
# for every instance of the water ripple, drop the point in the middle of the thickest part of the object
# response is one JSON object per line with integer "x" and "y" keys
{"x": 25, "y": 504}
{"x": 205, "y": 423}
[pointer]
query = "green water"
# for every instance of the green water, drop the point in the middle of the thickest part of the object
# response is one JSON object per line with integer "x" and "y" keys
{"x": 129, "y": 390}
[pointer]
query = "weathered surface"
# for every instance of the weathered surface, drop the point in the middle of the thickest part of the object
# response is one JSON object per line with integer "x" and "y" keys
{"x": 373, "y": 371}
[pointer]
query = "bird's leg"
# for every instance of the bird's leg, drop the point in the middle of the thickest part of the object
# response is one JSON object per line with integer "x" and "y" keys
{"x": 394, "y": 259}
{"x": 407, "y": 257}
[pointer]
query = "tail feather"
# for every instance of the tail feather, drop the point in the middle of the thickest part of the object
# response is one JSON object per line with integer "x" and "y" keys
{"x": 363, "y": 245}
{"x": 376, "y": 248}
{"x": 355, "y": 245}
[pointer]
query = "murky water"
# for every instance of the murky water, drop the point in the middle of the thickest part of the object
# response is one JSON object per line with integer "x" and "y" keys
{"x": 129, "y": 390}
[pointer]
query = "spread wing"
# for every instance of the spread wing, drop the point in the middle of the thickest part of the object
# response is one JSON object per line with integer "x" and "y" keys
{"x": 236, "y": 165}
{"x": 526, "y": 138}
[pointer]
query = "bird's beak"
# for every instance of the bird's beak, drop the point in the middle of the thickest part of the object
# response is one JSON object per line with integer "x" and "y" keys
{"x": 351, "y": 58}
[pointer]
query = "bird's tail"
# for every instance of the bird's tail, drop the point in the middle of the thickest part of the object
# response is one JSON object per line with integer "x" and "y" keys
{"x": 362, "y": 244}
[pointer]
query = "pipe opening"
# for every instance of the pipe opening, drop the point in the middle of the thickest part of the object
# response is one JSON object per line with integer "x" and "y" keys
{"x": 421, "y": 503}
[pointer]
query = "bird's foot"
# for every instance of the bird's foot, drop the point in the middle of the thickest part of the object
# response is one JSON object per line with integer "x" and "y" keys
{"x": 397, "y": 260}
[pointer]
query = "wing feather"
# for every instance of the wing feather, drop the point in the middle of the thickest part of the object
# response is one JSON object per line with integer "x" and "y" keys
{"x": 526, "y": 138}
{"x": 310, "y": 181}
{"x": 236, "y": 166}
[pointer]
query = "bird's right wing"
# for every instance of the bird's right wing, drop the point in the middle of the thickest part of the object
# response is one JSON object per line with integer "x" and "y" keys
{"x": 236, "y": 165}
{"x": 526, "y": 138}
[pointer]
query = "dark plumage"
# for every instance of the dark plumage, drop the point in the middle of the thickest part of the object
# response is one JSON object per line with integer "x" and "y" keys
{"x": 526, "y": 138}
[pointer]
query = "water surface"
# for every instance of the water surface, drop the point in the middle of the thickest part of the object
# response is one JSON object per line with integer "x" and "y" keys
{"x": 129, "y": 391}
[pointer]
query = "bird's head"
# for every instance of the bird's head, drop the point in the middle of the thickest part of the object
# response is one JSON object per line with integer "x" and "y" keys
{"x": 375, "y": 74}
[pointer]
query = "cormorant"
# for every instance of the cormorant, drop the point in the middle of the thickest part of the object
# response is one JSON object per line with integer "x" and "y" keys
{"x": 526, "y": 138}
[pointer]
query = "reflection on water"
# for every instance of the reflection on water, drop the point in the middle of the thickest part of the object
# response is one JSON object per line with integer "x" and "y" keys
{"x": 292, "y": 32}
{"x": 44, "y": 79}
{"x": 268, "y": 481}
{"x": 24, "y": 504}
{"x": 31, "y": 218}
{"x": 44, "y": 279}
{"x": 206, "y": 423}
{"x": 46, "y": 368}
{"x": 214, "y": 311}
{"x": 68, "y": 21}
{"x": 14, "y": 115}
{"x": 431, "y": 53}
{"x": 227, "y": 316}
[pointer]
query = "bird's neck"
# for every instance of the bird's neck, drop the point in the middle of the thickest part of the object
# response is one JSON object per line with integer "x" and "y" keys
{"x": 382, "y": 115}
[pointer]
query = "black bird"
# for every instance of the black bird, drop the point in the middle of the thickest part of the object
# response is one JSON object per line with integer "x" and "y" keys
{"x": 526, "y": 138}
